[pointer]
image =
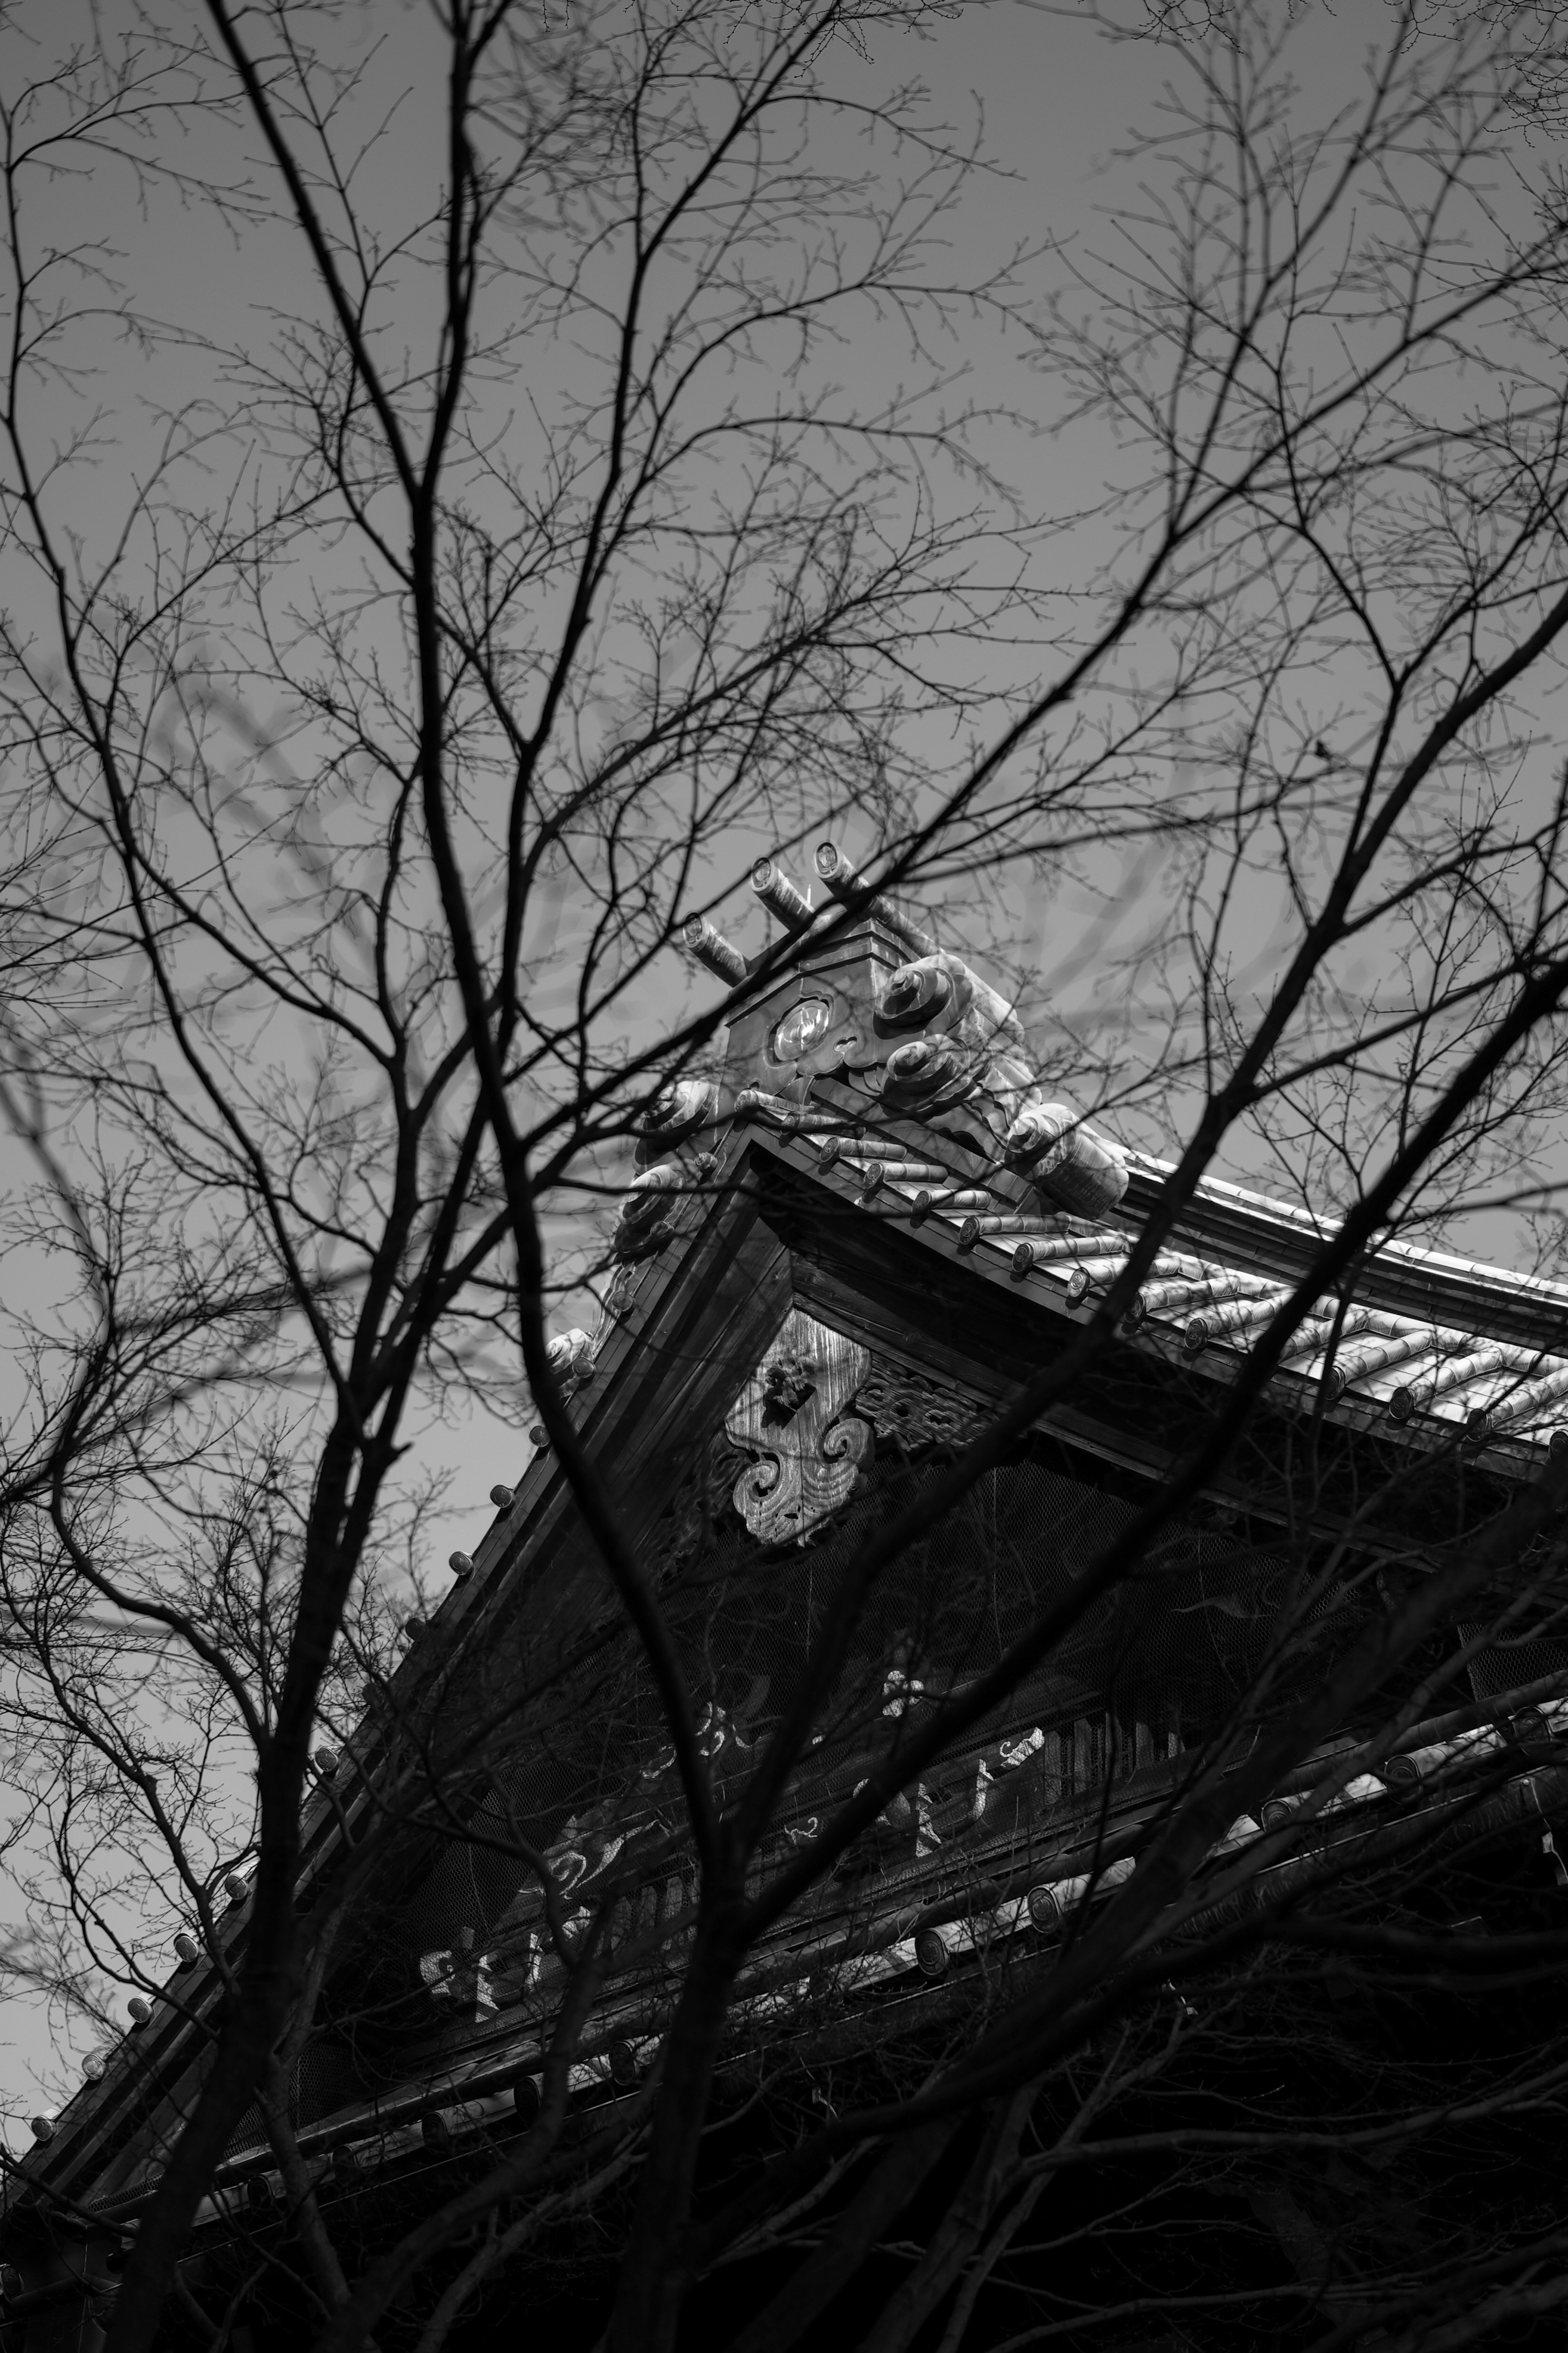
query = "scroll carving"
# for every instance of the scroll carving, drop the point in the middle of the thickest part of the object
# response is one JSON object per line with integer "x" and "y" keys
{"x": 913, "y": 1411}
{"x": 788, "y": 1415}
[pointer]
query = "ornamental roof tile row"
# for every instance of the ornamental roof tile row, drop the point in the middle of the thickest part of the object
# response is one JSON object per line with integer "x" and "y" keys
{"x": 1456, "y": 1378}
{"x": 911, "y": 1079}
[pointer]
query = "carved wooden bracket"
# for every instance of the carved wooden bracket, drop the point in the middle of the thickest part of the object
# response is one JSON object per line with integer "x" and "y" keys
{"x": 788, "y": 1414}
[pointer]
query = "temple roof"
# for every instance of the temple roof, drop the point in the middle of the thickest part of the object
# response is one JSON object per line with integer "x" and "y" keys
{"x": 886, "y": 1095}
{"x": 911, "y": 1080}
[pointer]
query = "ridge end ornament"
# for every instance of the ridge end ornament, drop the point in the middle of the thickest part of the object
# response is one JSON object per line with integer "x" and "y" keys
{"x": 789, "y": 1414}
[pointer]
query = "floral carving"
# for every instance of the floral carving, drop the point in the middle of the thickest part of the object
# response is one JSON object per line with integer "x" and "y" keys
{"x": 788, "y": 1415}
{"x": 913, "y": 1411}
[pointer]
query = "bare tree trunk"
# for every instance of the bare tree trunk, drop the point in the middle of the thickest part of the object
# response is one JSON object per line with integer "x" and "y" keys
{"x": 300, "y": 2194}
{"x": 962, "y": 2227}
{"x": 895, "y": 2177}
{"x": 652, "y": 2277}
{"x": 986, "y": 2261}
